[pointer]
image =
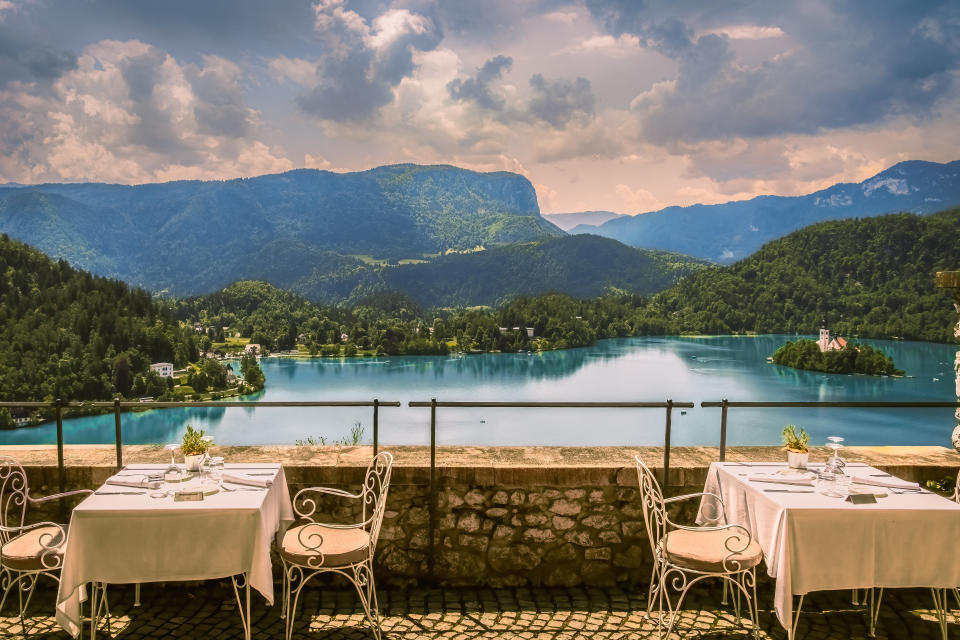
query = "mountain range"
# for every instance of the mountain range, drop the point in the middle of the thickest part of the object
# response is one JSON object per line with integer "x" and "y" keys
{"x": 193, "y": 237}
{"x": 732, "y": 231}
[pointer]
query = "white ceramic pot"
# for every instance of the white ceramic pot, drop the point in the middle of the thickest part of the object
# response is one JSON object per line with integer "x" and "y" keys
{"x": 193, "y": 462}
{"x": 797, "y": 460}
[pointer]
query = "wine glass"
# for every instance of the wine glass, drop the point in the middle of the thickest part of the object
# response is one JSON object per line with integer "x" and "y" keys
{"x": 836, "y": 443}
{"x": 173, "y": 463}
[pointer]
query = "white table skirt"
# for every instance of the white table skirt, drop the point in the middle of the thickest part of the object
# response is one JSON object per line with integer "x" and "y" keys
{"x": 119, "y": 539}
{"x": 812, "y": 542}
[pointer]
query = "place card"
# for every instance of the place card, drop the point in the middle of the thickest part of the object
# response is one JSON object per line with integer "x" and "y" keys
{"x": 187, "y": 496}
{"x": 862, "y": 498}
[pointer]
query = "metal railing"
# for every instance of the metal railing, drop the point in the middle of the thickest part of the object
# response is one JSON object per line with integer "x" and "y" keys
{"x": 668, "y": 405}
{"x": 725, "y": 404}
{"x": 433, "y": 404}
{"x": 59, "y": 405}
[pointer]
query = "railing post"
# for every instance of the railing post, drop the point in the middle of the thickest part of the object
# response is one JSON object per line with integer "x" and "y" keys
{"x": 666, "y": 447}
{"x": 116, "y": 420}
{"x": 376, "y": 424}
{"x": 431, "y": 556}
{"x": 61, "y": 470}
{"x": 723, "y": 430}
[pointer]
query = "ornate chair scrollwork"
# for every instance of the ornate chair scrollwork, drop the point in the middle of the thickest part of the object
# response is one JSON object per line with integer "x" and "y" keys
{"x": 310, "y": 548}
{"x": 27, "y": 551}
{"x": 685, "y": 555}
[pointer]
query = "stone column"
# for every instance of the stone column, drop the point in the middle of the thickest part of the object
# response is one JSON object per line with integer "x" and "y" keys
{"x": 951, "y": 280}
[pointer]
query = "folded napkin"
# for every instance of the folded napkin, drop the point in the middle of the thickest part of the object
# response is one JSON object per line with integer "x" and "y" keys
{"x": 891, "y": 483}
{"x": 239, "y": 478}
{"x": 803, "y": 482}
{"x": 141, "y": 482}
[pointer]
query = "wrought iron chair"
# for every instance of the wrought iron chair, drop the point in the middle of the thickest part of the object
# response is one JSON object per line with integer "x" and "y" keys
{"x": 685, "y": 555}
{"x": 312, "y": 548}
{"x": 27, "y": 551}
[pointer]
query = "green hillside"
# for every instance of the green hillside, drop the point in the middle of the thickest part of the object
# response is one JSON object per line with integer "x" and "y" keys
{"x": 70, "y": 335}
{"x": 580, "y": 266}
{"x": 870, "y": 277}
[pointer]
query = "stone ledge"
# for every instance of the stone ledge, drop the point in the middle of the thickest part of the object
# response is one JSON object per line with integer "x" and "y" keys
{"x": 493, "y": 466}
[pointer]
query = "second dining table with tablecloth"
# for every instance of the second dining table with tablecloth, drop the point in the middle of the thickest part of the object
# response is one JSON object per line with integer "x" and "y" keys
{"x": 812, "y": 542}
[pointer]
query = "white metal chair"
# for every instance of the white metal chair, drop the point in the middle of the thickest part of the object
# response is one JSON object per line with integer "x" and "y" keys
{"x": 311, "y": 548}
{"x": 685, "y": 555}
{"x": 27, "y": 551}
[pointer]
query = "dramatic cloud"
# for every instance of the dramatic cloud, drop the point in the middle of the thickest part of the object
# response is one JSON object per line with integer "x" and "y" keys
{"x": 131, "y": 112}
{"x": 901, "y": 60}
{"x": 623, "y": 105}
{"x": 560, "y": 102}
{"x": 363, "y": 62}
{"x": 26, "y": 61}
{"x": 480, "y": 88}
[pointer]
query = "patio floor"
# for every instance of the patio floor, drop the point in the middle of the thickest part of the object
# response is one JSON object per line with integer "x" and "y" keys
{"x": 207, "y": 610}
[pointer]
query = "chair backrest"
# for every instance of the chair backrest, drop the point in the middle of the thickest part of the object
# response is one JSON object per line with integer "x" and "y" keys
{"x": 376, "y": 484}
{"x": 654, "y": 511}
{"x": 13, "y": 496}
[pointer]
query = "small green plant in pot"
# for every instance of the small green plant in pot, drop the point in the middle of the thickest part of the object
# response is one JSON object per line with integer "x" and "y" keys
{"x": 795, "y": 441}
{"x": 194, "y": 447}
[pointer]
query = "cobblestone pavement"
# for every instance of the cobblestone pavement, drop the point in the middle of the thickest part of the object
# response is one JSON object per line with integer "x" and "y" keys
{"x": 207, "y": 610}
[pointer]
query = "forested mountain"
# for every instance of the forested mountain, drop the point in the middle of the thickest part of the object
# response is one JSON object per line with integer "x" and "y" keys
{"x": 870, "y": 277}
{"x": 67, "y": 334}
{"x": 581, "y": 266}
{"x": 567, "y": 221}
{"x": 734, "y": 230}
{"x": 191, "y": 236}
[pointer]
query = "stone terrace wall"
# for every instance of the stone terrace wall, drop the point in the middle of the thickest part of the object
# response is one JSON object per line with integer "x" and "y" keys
{"x": 505, "y": 516}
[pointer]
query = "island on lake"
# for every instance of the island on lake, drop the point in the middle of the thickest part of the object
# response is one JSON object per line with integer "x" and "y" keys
{"x": 835, "y": 355}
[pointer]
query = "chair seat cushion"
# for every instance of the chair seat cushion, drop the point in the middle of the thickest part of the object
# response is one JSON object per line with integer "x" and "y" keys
{"x": 707, "y": 550}
{"x": 338, "y": 547}
{"x": 26, "y": 551}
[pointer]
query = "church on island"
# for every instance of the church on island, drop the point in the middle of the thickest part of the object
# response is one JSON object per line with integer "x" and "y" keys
{"x": 826, "y": 343}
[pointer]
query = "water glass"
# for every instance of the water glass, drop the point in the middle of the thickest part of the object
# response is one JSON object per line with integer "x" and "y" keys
{"x": 216, "y": 469}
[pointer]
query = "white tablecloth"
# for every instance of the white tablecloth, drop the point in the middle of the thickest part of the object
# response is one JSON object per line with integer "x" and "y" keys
{"x": 120, "y": 539}
{"x": 812, "y": 542}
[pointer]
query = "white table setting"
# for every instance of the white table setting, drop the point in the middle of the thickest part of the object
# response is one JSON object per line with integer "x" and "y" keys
{"x": 815, "y": 539}
{"x": 148, "y": 523}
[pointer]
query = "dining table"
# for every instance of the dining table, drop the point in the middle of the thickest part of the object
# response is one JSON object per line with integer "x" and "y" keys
{"x": 901, "y": 536}
{"x": 146, "y": 525}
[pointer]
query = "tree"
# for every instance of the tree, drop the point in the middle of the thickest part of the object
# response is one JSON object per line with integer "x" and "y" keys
{"x": 122, "y": 378}
{"x": 251, "y": 371}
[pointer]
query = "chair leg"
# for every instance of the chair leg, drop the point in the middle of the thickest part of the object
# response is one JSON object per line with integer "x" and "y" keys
{"x": 293, "y": 596}
{"x": 654, "y": 586}
{"x": 366, "y": 589}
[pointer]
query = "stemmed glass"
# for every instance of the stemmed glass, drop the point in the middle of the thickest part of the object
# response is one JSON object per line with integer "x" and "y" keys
{"x": 173, "y": 463}
{"x": 836, "y": 443}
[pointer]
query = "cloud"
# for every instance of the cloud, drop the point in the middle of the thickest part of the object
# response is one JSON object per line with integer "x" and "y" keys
{"x": 560, "y": 102}
{"x": 478, "y": 88}
{"x": 619, "y": 47}
{"x": 130, "y": 112}
{"x": 637, "y": 200}
{"x": 298, "y": 70}
{"x": 837, "y": 66}
{"x": 24, "y": 60}
{"x": 363, "y": 61}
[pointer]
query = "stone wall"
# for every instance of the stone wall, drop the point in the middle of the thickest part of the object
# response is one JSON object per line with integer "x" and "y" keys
{"x": 504, "y": 516}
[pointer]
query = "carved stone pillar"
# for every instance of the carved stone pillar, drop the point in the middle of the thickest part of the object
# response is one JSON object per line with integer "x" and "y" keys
{"x": 951, "y": 280}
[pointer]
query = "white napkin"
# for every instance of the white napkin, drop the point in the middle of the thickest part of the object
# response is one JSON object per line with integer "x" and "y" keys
{"x": 891, "y": 483}
{"x": 140, "y": 482}
{"x": 803, "y": 482}
{"x": 239, "y": 478}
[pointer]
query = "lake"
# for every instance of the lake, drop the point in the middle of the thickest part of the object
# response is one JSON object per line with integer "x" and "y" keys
{"x": 632, "y": 369}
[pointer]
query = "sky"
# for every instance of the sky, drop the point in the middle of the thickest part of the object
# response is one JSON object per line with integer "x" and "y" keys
{"x": 619, "y": 105}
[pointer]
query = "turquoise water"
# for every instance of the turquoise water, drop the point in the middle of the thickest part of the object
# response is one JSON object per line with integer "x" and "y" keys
{"x": 632, "y": 369}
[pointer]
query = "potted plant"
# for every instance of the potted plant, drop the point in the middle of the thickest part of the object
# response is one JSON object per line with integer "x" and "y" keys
{"x": 795, "y": 442}
{"x": 194, "y": 447}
